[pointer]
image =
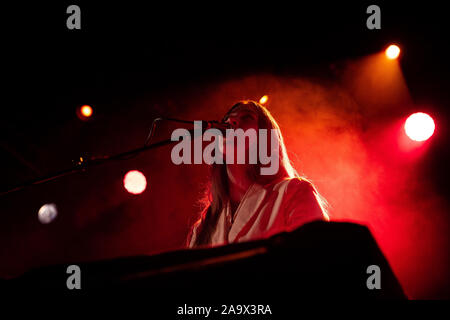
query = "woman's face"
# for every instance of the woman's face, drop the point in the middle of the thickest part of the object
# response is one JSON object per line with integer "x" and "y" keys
{"x": 242, "y": 117}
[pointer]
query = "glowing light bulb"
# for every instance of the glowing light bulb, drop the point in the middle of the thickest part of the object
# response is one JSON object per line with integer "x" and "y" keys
{"x": 392, "y": 52}
{"x": 419, "y": 126}
{"x": 135, "y": 182}
{"x": 263, "y": 99}
{"x": 47, "y": 213}
{"x": 86, "y": 111}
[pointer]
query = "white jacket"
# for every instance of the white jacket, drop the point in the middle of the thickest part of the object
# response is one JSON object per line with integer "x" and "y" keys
{"x": 266, "y": 210}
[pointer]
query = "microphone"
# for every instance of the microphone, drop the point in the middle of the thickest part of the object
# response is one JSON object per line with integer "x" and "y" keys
{"x": 214, "y": 124}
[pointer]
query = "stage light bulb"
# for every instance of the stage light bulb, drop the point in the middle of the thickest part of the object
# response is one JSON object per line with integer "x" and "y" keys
{"x": 419, "y": 126}
{"x": 86, "y": 111}
{"x": 263, "y": 99}
{"x": 135, "y": 182}
{"x": 392, "y": 52}
{"x": 47, "y": 213}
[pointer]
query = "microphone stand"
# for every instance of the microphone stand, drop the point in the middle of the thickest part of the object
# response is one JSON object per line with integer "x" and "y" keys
{"x": 83, "y": 165}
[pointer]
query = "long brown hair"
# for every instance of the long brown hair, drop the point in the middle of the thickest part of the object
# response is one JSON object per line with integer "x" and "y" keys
{"x": 217, "y": 194}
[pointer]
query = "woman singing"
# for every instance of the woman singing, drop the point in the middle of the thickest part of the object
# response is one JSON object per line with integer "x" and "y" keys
{"x": 244, "y": 204}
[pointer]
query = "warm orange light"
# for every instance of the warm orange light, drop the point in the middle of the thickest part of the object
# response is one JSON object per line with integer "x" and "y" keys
{"x": 263, "y": 99}
{"x": 419, "y": 126}
{"x": 135, "y": 182}
{"x": 392, "y": 52}
{"x": 86, "y": 111}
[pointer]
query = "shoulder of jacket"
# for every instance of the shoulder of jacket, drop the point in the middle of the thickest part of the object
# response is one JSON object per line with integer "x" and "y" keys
{"x": 290, "y": 186}
{"x": 300, "y": 187}
{"x": 297, "y": 183}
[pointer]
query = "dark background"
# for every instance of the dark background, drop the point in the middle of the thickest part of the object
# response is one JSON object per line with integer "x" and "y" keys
{"x": 134, "y": 62}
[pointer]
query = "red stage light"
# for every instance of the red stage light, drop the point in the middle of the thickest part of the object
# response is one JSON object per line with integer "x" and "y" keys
{"x": 135, "y": 182}
{"x": 86, "y": 111}
{"x": 419, "y": 126}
